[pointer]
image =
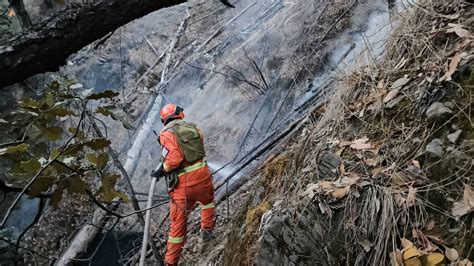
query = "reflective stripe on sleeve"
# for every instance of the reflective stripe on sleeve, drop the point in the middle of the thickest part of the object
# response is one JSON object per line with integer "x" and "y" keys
{"x": 208, "y": 206}
{"x": 175, "y": 240}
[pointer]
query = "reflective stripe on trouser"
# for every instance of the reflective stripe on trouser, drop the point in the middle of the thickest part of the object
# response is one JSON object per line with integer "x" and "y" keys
{"x": 183, "y": 200}
{"x": 207, "y": 215}
{"x": 175, "y": 240}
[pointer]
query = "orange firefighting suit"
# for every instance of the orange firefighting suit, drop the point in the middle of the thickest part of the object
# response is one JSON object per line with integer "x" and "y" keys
{"x": 195, "y": 185}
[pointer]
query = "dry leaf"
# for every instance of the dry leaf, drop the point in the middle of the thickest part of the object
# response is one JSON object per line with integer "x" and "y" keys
{"x": 391, "y": 95}
{"x": 372, "y": 161}
{"x": 433, "y": 259}
{"x": 456, "y": 28}
{"x": 11, "y": 13}
{"x": 350, "y": 179}
{"x": 406, "y": 244}
{"x": 411, "y": 198}
{"x": 397, "y": 257}
{"x": 361, "y": 144}
{"x": 469, "y": 195}
{"x": 466, "y": 205}
{"x": 402, "y": 62}
{"x": 430, "y": 225}
{"x": 464, "y": 262}
{"x": 339, "y": 151}
{"x": 416, "y": 163}
{"x": 451, "y": 254}
{"x": 453, "y": 66}
{"x": 340, "y": 193}
{"x": 412, "y": 262}
{"x": 410, "y": 253}
{"x": 397, "y": 84}
{"x": 310, "y": 190}
{"x": 325, "y": 185}
{"x": 452, "y": 17}
{"x": 342, "y": 169}
{"x": 366, "y": 244}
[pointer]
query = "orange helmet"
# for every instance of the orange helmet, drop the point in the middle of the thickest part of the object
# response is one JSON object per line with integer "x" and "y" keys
{"x": 171, "y": 111}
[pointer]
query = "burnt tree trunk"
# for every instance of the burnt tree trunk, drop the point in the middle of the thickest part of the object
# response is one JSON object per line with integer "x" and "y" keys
{"x": 46, "y": 46}
{"x": 21, "y": 13}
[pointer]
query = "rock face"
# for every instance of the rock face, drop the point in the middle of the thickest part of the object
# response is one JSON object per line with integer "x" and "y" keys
{"x": 290, "y": 237}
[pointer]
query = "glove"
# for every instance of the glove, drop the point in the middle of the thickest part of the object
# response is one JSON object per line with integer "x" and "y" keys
{"x": 159, "y": 172}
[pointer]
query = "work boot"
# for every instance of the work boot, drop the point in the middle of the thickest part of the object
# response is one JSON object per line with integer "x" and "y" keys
{"x": 206, "y": 235}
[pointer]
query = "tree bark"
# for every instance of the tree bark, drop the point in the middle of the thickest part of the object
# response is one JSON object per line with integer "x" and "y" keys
{"x": 21, "y": 13}
{"x": 46, "y": 46}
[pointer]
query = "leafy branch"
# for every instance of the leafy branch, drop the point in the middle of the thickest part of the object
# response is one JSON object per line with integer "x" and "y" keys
{"x": 38, "y": 174}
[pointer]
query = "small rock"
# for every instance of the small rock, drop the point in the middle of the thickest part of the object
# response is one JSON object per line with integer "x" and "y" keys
{"x": 437, "y": 109}
{"x": 435, "y": 148}
{"x": 454, "y": 137}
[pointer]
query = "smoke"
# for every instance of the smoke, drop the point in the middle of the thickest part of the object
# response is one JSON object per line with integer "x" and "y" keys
{"x": 222, "y": 173}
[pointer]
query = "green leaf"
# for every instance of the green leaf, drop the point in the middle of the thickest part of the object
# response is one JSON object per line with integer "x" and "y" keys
{"x": 40, "y": 149}
{"x": 116, "y": 114}
{"x": 47, "y": 101}
{"x": 29, "y": 103}
{"x": 92, "y": 158}
{"x": 31, "y": 166}
{"x": 14, "y": 149}
{"x": 73, "y": 149}
{"x": 105, "y": 94}
{"x": 107, "y": 189}
{"x": 102, "y": 110}
{"x": 25, "y": 168}
{"x": 100, "y": 160}
{"x": 61, "y": 169}
{"x": 41, "y": 184}
{"x": 56, "y": 197}
{"x": 60, "y": 111}
{"x": 79, "y": 134}
{"x": 98, "y": 144}
{"x": 76, "y": 185}
{"x": 52, "y": 133}
{"x": 55, "y": 153}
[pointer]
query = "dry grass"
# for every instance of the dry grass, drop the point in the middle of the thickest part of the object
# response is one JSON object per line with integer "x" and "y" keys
{"x": 403, "y": 192}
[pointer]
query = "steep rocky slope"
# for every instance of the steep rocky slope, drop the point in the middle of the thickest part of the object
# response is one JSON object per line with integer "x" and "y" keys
{"x": 381, "y": 173}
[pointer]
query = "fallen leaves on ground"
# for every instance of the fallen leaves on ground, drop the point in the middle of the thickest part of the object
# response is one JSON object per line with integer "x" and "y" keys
{"x": 451, "y": 254}
{"x": 466, "y": 205}
{"x": 411, "y": 255}
{"x": 411, "y": 198}
{"x": 458, "y": 29}
{"x": 337, "y": 189}
{"x": 391, "y": 95}
{"x": 453, "y": 66}
{"x": 361, "y": 144}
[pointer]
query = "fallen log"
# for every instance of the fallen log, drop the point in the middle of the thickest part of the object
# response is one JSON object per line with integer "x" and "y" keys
{"x": 46, "y": 46}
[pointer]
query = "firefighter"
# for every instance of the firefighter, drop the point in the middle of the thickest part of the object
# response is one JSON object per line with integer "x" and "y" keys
{"x": 188, "y": 177}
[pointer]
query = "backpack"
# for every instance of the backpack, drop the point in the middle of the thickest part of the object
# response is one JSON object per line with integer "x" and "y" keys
{"x": 190, "y": 141}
